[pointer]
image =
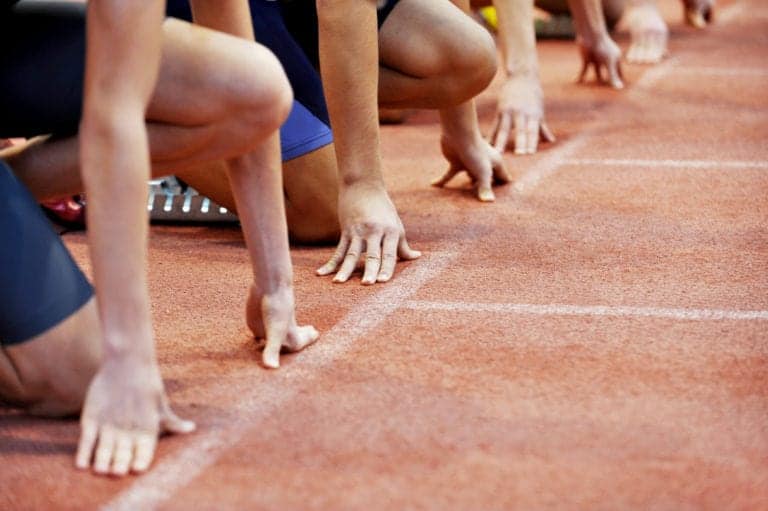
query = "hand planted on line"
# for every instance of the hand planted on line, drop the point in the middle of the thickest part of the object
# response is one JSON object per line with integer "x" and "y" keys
{"x": 520, "y": 107}
{"x": 370, "y": 228}
{"x": 125, "y": 410}
{"x": 272, "y": 318}
{"x": 479, "y": 159}
{"x": 602, "y": 54}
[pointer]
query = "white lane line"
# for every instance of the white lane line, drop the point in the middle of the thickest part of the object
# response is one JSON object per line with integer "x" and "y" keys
{"x": 556, "y": 309}
{"x": 555, "y": 159}
{"x": 684, "y": 164}
{"x": 251, "y": 403}
{"x": 723, "y": 71}
{"x": 552, "y": 162}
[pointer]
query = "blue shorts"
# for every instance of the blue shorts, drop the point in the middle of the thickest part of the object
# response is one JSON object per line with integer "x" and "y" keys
{"x": 40, "y": 284}
{"x": 41, "y": 82}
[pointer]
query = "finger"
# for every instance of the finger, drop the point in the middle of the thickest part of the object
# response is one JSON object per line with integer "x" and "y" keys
{"x": 121, "y": 460}
{"x": 405, "y": 252}
{"x": 88, "y": 434}
{"x": 614, "y": 75}
{"x": 389, "y": 256}
{"x": 500, "y": 174}
{"x": 598, "y": 72}
{"x": 336, "y": 258}
{"x": 496, "y": 126}
{"x": 502, "y": 135}
{"x": 270, "y": 357}
{"x": 520, "y": 134}
{"x": 443, "y": 180}
{"x": 302, "y": 337}
{"x": 104, "y": 450}
{"x": 350, "y": 260}
{"x": 172, "y": 423}
{"x": 532, "y": 135}
{"x": 546, "y": 133}
{"x": 584, "y": 69}
{"x": 145, "y": 451}
{"x": 372, "y": 259}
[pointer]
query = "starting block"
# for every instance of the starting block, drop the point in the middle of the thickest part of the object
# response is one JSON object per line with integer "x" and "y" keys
{"x": 173, "y": 201}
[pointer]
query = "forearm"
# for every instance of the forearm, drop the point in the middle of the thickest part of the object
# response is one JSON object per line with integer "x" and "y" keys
{"x": 460, "y": 122}
{"x": 589, "y": 20}
{"x": 257, "y": 187}
{"x": 349, "y": 64}
{"x": 122, "y": 62}
{"x": 516, "y": 36}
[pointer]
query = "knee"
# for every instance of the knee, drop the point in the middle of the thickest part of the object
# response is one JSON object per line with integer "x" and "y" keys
{"x": 259, "y": 96}
{"x": 473, "y": 62}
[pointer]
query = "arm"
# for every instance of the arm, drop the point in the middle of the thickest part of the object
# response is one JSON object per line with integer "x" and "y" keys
{"x": 597, "y": 47}
{"x": 126, "y": 405}
{"x": 349, "y": 65}
{"x": 257, "y": 188}
{"x": 521, "y": 99}
{"x": 464, "y": 147}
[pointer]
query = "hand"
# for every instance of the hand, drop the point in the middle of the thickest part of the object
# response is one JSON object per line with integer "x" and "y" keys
{"x": 604, "y": 53}
{"x": 272, "y": 318}
{"x": 521, "y": 105}
{"x": 699, "y": 13}
{"x": 125, "y": 410}
{"x": 369, "y": 222}
{"x": 649, "y": 34}
{"x": 482, "y": 162}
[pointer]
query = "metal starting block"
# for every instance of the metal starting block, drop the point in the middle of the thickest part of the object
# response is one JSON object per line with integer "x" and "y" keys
{"x": 172, "y": 201}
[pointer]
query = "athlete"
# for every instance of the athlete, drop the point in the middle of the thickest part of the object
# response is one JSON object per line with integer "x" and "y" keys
{"x": 210, "y": 97}
{"x": 425, "y": 54}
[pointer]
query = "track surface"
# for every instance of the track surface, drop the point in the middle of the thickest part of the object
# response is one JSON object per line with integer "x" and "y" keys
{"x": 596, "y": 339}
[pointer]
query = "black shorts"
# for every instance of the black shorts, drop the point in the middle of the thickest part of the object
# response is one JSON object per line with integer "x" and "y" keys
{"x": 43, "y": 62}
{"x": 40, "y": 284}
{"x": 301, "y": 19}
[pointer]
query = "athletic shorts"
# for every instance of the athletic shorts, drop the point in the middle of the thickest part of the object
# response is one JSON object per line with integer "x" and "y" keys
{"x": 43, "y": 62}
{"x": 307, "y": 127}
{"x": 40, "y": 284}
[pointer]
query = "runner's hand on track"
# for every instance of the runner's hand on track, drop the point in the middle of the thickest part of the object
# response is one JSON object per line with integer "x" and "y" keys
{"x": 369, "y": 224}
{"x": 649, "y": 34}
{"x": 124, "y": 412}
{"x": 479, "y": 159}
{"x": 604, "y": 54}
{"x": 272, "y": 318}
{"x": 699, "y": 13}
{"x": 520, "y": 106}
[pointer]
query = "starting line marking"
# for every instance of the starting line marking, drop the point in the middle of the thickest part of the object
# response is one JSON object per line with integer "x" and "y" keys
{"x": 682, "y": 164}
{"x": 588, "y": 310}
{"x": 254, "y": 402}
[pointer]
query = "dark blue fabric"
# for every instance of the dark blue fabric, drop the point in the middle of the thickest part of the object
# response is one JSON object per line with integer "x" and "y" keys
{"x": 300, "y": 17}
{"x": 40, "y": 284}
{"x": 307, "y": 126}
{"x": 42, "y": 63}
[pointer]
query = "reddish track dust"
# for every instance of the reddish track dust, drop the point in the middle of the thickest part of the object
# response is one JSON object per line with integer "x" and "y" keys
{"x": 559, "y": 349}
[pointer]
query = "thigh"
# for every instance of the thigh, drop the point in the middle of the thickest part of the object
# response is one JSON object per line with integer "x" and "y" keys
{"x": 43, "y": 59}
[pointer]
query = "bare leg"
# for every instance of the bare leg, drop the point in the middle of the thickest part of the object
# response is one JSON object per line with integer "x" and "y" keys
{"x": 49, "y": 374}
{"x": 193, "y": 116}
{"x": 432, "y": 56}
{"x": 311, "y": 189}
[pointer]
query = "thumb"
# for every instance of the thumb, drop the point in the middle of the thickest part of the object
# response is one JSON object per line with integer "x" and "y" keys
{"x": 172, "y": 423}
